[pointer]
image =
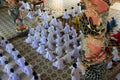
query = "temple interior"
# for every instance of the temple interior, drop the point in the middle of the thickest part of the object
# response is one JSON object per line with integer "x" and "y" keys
{"x": 60, "y": 39}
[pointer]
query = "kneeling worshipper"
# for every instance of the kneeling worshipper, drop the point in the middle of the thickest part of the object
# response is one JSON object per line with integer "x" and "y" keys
{"x": 49, "y": 55}
{"x": 7, "y": 67}
{"x": 43, "y": 40}
{"x": 35, "y": 43}
{"x": 53, "y": 21}
{"x": 29, "y": 39}
{"x": 35, "y": 76}
{"x": 31, "y": 30}
{"x": 27, "y": 69}
{"x": 37, "y": 35}
{"x": 38, "y": 12}
{"x": 110, "y": 64}
{"x": 72, "y": 13}
{"x": 14, "y": 53}
{"x": 45, "y": 24}
{"x": 13, "y": 75}
{"x": 30, "y": 14}
{"x": 65, "y": 15}
{"x": 116, "y": 36}
{"x": 20, "y": 61}
{"x": 115, "y": 54}
{"x": 44, "y": 16}
{"x": 78, "y": 9}
{"x": 3, "y": 59}
{"x": 58, "y": 63}
{"x": 66, "y": 28}
{"x": 58, "y": 41}
{"x": 59, "y": 50}
{"x": 59, "y": 24}
{"x": 41, "y": 49}
{"x": 75, "y": 52}
{"x": 25, "y": 5}
{"x": 38, "y": 27}
{"x": 2, "y": 42}
{"x": 75, "y": 73}
{"x": 8, "y": 47}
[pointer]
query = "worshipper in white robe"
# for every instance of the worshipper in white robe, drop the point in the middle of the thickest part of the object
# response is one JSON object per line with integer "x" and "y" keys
{"x": 38, "y": 12}
{"x": 27, "y": 69}
{"x": 59, "y": 24}
{"x": 34, "y": 43}
{"x": 2, "y": 42}
{"x": 8, "y": 47}
{"x": 50, "y": 45}
{"x": 75, "y": 52}
{"x": 29, "y": 39}
{"x": 1, "y": 51}
{"x": 36, "y": 76}
{"x": 75, "y": 73}
{"x": 72, "y": 12}
{"x": 66, "y": 28}
{"x": 44, "y": 16}
{"x": 59, "y": 51}
{"x": 66, "y": 45}
{"x": 31, "y": 30}
{"x": 53, "y": 21}
{"x": 73, "y": 41}
{"x": 13, "y": 75}
{"x": 25, "y": 5}
{"x": 30, "y": 14}
{"x": 58, "y": 31}
{"x": 51, "y": 29}
{"x": 58, "y": 63}
{"x": 109, "y": 65}
{"x": 45, "y": 24}
{"x": 37, "y": 35}
{"x": 41, "y": 49}
{"x": 7, "y": 67}
{"x": 14, "y": 53}
{"x": 66, "y": 37}
{"x": 49, "y": 55}
{"x": 66, "y": 15}
{"x": 38, "y": 27}
{"x": 73, "y": 32}
{"x": 67, "y": 58}
{"x": 118, "y": 76}
{"x": 78, "y": 9}
{"x": 20, "y": 61}
{"x": 58, "y": 41}
{"x": 50, "y": 37}
{"x": 81, "y": 35}
{"x": 44, "y": 32}
{"x": 43, "y": 40}
{"x": 115, "y": 54}
{"x": 3, "y": 59}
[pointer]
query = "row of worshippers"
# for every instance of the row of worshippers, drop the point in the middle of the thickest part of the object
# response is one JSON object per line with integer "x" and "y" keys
{"x": 19, "y": 60}
{"x": 55, "y": 40}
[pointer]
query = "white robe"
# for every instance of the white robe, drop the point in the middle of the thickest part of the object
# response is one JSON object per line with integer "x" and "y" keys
{"x": 43, "y": 40}
{"x": 44, "y": 32}
{"x": 50, "y": 37}
{"x": 14, "y": 76}
{"x": 44, "y": 16}
{"x": 59, "y": 50}
{"x": 31, "y": 31}
{"x": 41, "y": 49}
{"x": 14, "y": 54}
{"x": 37, "y": 35}
{"x": 29, "y": 39}
{"x": 58, "y": 41}
{"x": 21, "y": 62}
{"x": 45, "y": 24}
{"x": 75, "y": 74}
{"x": 59, "y": 25}
{"x": 53, "y": 22}
{"x": 49, "y": 55}
{"x": 3, "y": 59}
{"x": 34, "y": 44}
{"x": 7, "y": 68}
{"x": 38, "y": 27}
{"x": 78, "y": 10}
{"x": 118, "y": 76}
{"x": 9, "y": 47}
{"x": 58, "y": 64}
{"x": 67, "y": 29}
{"x": 72, "y": 13}
{"x": 30, "y": 15}
{"x": 109, "y": 65}
{"x": 75, "y": 53}
{"x": 28, "y": 70}
{"x": 65, "y": 15}
{"x": 2, "y": 43}
{"x": 38, "y": 12}
{"x": 67, "y": 58}
{"x": 50, "y": 45}
{"x": 26, "y": 6}
{"x": 115, "y": 55}
{"x": 51, "y": 29}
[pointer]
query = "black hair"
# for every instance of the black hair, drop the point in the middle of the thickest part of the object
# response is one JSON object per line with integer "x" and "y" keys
{"x": 19, "y": 56}
{"x": 13, "y": 49}
{"x": 72, "y": 7}
{"x": 2, "y": 38}
{"x": 36, "y": 77}
{"x": 53, "y": 17}
{"x": 26, "y": 63}
{"x": 6, "y": 42}
{"x": 74, "y": 65}
{"x": 34, "y": 73}
{"x": 1, "y": 55}
{"x": 6, "y": 62}
{"x": 65, "y": 9}
{"x": 12, "y": 70}
{"x": 78, "y": 4}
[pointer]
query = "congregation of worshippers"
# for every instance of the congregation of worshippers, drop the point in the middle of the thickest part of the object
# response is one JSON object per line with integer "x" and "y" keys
{"x": 58, "y": 40}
